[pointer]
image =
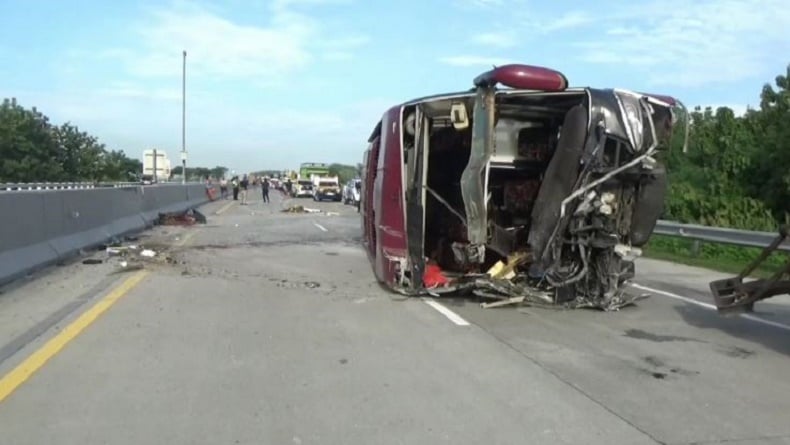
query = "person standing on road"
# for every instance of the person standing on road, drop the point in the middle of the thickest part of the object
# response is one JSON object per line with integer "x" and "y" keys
{"x": 223, "y": 188}
{"x": 358, "y": 185}
{"x": 235, "y": 184}
{"x": 245, "y": 184}
{"x": 265, "y": 189}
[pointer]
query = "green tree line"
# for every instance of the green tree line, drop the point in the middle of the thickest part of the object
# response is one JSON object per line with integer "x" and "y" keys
{"x": 345, "y": 172}
{"x": 736, "y": 171}
{"x": 34, "y": 150}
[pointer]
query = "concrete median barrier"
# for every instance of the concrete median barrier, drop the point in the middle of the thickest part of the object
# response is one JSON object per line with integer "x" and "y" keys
{"x": 40, "y": 228}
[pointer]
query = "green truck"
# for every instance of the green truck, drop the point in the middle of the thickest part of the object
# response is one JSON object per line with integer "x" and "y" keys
{"x": 307, "y": 169}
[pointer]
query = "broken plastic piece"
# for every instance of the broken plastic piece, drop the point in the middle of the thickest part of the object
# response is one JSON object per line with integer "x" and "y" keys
{"x": 507, "y": 271}
{"x": 433, "y": 276}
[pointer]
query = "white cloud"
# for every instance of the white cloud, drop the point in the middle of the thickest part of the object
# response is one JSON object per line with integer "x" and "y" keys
{"x": 337, "y": 56}
{"x": 693, "y": 44}
{"x": 469, "y": 60}
{"x": 572, "y": 19}
{"x": 218, "y": 47}
{"x": 481, "y": 3}
{"x": 135, "y": 91}
{"x": 502, "y": 39}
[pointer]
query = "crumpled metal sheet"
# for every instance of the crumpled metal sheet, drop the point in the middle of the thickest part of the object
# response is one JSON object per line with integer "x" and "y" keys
{"x": 520, "y": 291}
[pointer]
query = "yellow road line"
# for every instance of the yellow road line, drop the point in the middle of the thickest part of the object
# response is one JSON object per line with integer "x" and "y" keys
{"x": 224, "y": 208}
{"x": 35, "y": 361}
{"x": 11, "y": 381}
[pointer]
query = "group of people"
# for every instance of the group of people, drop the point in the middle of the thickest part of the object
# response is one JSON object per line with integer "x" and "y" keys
{"x": 240, "y": 188}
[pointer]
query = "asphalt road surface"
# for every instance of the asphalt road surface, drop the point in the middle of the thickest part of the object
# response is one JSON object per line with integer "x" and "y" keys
{"x": 263, "y": 327}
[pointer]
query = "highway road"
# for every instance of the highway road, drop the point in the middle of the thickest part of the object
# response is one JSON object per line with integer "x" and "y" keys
{"x": 263, "y": 327}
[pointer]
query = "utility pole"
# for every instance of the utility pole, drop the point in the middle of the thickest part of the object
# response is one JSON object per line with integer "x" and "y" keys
{"x": 184, "y": 119}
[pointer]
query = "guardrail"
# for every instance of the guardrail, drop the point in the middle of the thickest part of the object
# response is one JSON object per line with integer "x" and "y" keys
{"x": 744, "y": 238}
{"x": 36, "y": 186}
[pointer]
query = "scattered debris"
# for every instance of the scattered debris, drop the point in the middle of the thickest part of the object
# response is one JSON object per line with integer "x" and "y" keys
{"x": 120, "y": 250}
{"x": 293, "y": 209}
{"x": 433, "y": 277}
{"x": 505, "y": 302}
{"x": 187, "y": 218}
{"x": 125, "y": 266}
{"x": 300, "y": 209}
{"x": 148, "y": 253}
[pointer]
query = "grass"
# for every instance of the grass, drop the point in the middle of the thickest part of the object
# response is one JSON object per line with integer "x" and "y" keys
{"x": 722, "y": 258}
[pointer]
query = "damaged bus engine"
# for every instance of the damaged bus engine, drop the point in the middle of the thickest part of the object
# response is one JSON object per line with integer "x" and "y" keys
{"x": 536, "y": 192}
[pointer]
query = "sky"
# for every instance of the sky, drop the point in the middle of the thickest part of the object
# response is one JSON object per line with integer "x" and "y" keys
{"x": 272, "y": 84}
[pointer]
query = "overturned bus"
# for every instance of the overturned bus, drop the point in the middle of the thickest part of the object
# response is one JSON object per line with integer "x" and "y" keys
{"x": 536, "y": 192}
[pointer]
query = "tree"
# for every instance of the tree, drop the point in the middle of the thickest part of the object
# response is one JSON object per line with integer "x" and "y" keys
{"x": 735, "y": 173}
{"x": 116, "y": 166}
{"x": 33, "y": 150}
{"x": 28, "y": 149}
{"x": 771, "y": 125}
{"x": 343, "y": 172}
{"x": 80, "y": 154}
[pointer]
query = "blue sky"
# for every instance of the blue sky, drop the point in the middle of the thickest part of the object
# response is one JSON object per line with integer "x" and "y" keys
{"x": 271, "y": 84}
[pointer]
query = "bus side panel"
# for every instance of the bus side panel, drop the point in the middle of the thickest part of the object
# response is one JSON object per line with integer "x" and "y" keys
{"x": 391, "y": 253}
{"x": 367, "y": 209}
{"x": 363, "y": 197}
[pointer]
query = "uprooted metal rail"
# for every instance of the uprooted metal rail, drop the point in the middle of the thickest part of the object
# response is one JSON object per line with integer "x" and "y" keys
{"x": 733, "y": 295}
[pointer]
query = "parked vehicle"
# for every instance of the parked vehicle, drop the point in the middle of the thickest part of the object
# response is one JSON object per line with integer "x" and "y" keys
{"x": 302, "y": 188}
{"x": 535, "y": 192}
{"x": 326, "y": 187}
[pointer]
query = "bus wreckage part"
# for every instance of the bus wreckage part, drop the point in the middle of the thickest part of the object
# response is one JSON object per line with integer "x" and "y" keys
{"x": 536, "y": 193}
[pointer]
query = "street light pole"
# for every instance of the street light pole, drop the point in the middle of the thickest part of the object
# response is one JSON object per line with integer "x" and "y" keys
{"x": 184, "y": 119}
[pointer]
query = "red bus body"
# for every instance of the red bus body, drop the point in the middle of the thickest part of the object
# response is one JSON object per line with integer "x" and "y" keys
{"x": 396, "y": 212}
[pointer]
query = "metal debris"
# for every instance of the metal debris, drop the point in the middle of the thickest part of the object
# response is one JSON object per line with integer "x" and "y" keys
{"x": 187, "y": 218}
{"x": 300, "y": 209}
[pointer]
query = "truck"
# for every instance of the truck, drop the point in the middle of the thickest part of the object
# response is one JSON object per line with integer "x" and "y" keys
{"x": 308, "y": 169}
{"x": 326, "y": 187}
{"x": 156, "y": 166}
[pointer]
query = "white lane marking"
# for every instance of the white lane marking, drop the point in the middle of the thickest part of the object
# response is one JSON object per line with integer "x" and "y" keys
{"x": 712, "y": 306}
{"x": 320, "y": 227}
{"x": 452, "y": 316}
{"x": 675, "y": 296}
